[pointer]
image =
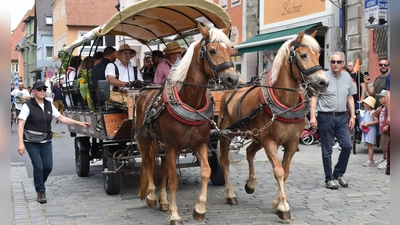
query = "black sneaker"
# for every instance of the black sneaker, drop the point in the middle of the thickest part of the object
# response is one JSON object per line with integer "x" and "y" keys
{"x": 342, "y": 182}
{"x": 387, "y": 172}
{"x": 41, "y": 197}
{"x": 331, "y": 185}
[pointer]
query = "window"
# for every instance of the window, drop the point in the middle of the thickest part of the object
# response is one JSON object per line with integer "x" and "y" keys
{"x": 237, "y": 62}
{"x": 49, "y": 52}
{"x": 49, "y": 20}
{"x": 102, "y": 42}
{"x": 235, "y": 3}
{"x": 62, "y": 9}
{"x": 223, "y": 3}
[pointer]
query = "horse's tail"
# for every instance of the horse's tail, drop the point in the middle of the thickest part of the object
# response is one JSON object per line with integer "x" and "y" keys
{"x": 149, "y": 159}
{"x": 232, "y": 161}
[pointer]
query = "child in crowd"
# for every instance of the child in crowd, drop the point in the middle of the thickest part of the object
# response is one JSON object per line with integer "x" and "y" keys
{"x": 367, "y": 126}
{"x": 383, "y": 130}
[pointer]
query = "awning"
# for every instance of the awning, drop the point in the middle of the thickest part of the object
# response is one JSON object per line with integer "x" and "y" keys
{"x": 37, "y": 70}
{"x": 269, "y": 41}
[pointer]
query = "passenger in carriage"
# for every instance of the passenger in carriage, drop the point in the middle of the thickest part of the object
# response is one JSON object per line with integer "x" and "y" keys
{"x": 74, "y": 64}
{"x": 122, "y": 75}
{"x": 87, "y": 63}
{"x": 98, "y": 71}
{"x": 157, "y": 56}
{"x": 147, "y": 65}
{"x": 148, "y": 69}
{"x": 98, "y": 57}
{"x": 172, "y": 52}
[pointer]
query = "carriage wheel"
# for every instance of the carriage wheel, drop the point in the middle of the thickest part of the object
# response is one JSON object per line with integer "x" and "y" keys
{"x": 217, "y": 174}
{"x": 112, "y": 181}
{"x": 82, "y": 159}
{"x": 307, "y": 138}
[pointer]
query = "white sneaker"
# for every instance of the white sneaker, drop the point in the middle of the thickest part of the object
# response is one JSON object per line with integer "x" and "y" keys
{"x": 336, "y": 145}
{"x": 382, "y": 165}
{"x": 369, "y": 163}
{"x": 379, "y": 161}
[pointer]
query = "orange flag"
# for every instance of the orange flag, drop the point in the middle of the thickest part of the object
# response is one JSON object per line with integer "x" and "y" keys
{"x": 357, "y": 65}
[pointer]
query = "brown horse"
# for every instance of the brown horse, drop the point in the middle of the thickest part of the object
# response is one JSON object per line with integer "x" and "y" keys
{"x": 273, "y": 113}
{"x": 177, "y": 117}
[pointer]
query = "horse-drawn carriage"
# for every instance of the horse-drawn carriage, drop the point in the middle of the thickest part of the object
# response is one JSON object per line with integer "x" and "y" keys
{"x": 178, "y": 117}
{"x": 111, "y": 137}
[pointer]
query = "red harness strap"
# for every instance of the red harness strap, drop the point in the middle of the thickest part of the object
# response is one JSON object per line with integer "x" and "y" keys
{"x": 273, "y": 98}
{"x": 189, "y": 110}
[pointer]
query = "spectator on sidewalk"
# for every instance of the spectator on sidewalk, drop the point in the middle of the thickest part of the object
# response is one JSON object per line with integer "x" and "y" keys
{"x": 368, "y": 128}
{"x": 383, "y": 130}
{"x": 20, "y": 95}
{"x": 332, "y": 107}
{"x": 58, "y": 98}
{"x": 377, "y": 86}
{"x": 34, "y": 135}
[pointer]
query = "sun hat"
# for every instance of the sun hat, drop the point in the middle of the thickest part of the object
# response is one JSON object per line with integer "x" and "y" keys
{"x": 370, "y": 101}
{"x": 382, "y": 94}
{"x": 157, "y": 53}
{"x": 126, "y": 47}
{"x": 38, "y": 84}
{"x": 173, "y": 47}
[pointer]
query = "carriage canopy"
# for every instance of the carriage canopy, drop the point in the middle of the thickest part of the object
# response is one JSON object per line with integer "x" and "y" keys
{"x": 149, "y": 21}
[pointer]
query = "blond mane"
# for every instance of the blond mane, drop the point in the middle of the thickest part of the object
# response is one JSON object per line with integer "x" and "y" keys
{"x": 284, "y": 51}
{"x": 180, "y": 70}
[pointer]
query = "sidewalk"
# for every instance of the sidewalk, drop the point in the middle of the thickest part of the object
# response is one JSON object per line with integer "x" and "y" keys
{"x": 24, "y": 207}
{"x": 78, "y": 200}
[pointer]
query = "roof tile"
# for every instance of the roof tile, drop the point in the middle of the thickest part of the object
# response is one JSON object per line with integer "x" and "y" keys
{"x": 89, "y": 12}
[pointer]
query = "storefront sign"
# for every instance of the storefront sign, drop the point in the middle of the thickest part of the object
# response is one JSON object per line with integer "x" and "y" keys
{"x": 277, "y": 11}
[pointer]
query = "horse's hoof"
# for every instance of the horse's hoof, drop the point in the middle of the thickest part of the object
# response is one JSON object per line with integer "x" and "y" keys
{"x": 198, "y": 216}
{"x": 151, "y": 203}
{"x": 232, "y": 201}
{"x": 164, "y": 207}
{"x": 283, "y": 215}
{"x": 248, "y": 190}
{"x": 176, "y": 222}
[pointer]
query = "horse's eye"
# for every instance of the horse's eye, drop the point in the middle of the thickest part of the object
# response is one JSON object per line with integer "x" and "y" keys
{"x": 212, "y": 51}
{"x": 303, "y": 56}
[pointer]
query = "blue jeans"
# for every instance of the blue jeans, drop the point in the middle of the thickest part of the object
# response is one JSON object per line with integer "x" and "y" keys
{"x": 331, "y": 126}
{"x": 42, "y": 161}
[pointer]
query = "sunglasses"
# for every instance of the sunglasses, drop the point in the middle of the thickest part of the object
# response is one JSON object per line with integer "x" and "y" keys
{"x": 383, "y": 64}
{"x": 336, "y": 61}
{"x": 41, "y": 89}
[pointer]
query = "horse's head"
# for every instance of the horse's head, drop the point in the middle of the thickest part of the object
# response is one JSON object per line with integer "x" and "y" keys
{"x": 303, "y": 63}
{"x": 216, "y": 56}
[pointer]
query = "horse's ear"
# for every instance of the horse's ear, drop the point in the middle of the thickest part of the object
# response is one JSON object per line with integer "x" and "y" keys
{"x": 313, "y": 33}
{"x": 204, "y": 31}
{"x": 227, "y": 30}
{"x": 299, "y": 38}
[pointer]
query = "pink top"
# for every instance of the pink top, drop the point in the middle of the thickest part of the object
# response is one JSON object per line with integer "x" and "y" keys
{"x": 162, "y": 72}
{"x": 382, "y": 119}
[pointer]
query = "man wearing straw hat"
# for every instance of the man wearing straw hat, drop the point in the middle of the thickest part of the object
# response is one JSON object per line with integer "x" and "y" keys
{"x": 172, "y": 52}
{"x": 122, "y": 75}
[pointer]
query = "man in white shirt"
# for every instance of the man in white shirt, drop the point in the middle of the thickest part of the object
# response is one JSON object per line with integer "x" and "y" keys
{"x": 122, "y": 75}
{"x": 20, "y": 95}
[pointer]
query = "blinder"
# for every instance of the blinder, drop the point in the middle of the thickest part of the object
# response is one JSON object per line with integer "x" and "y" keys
{"x": 293, "y": 58}
{"x": 214, "y": 69}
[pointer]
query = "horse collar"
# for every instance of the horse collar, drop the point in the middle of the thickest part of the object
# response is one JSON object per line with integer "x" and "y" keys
{"x": 184, "y": 113}
{"x": 273, "y": 106}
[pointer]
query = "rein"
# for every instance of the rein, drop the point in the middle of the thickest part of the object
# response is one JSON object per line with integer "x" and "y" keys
{"x": 214, "y": 69}
{"x": 293, "y": 59}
